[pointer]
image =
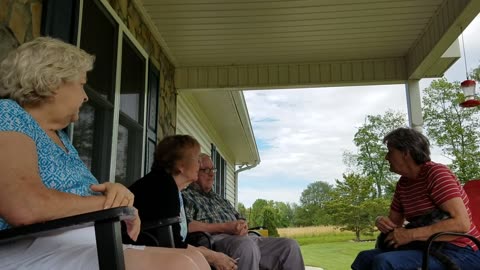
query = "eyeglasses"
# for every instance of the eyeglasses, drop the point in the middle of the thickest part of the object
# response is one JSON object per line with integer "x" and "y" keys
{"x": 208, "y": 170}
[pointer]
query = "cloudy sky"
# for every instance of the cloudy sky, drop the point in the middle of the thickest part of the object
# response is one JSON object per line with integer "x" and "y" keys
{"x": 302, "y": 133}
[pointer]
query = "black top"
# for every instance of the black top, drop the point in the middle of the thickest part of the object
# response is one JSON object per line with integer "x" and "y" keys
{"x": 156, "y": 197}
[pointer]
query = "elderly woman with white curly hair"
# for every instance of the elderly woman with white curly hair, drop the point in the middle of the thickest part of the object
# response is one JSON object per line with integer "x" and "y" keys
{"x": 41, "y": 175}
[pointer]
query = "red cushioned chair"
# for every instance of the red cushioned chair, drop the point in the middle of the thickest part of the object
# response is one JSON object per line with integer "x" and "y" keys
{"x": 472, "y": 188}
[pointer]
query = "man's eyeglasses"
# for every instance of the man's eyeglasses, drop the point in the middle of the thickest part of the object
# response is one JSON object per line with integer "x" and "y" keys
{"x": 208, "y": 170}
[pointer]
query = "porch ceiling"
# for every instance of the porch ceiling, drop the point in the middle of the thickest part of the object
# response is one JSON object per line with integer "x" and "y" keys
{"x": 236, "y": 32}
{"x": 262, "y": 44}
{"x": 407, "y": 36}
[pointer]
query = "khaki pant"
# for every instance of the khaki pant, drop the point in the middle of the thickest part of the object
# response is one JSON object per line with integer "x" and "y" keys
{"x": 256, "y": 252}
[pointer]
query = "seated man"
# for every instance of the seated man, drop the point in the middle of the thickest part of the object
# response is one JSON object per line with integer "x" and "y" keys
{"x": 206, "y": 211}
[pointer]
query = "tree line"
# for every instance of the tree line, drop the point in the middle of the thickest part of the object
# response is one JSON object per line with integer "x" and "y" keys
{"x": 366, "y": 188}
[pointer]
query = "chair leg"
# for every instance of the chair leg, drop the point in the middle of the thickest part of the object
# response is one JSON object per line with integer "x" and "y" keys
{"x": 109, "y": 245}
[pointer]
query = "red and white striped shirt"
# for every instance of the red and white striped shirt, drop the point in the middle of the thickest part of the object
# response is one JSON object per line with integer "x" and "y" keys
{"x": 434, "y": 185}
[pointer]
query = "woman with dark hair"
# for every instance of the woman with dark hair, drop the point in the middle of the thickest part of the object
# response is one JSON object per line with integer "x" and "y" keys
{"x": 429, "y": 195}
{"x": 158, "y": 194}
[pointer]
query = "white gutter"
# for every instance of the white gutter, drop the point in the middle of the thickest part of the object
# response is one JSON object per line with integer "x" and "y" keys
{"x": 235, "y": 177}
{"x": 244, "y": 118}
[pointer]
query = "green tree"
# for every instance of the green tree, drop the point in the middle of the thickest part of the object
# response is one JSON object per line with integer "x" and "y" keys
{"x": 301, "y": 216}
{"x": 285, "y": 214}
{"x": 370, "y": 157}
{"x": 242, "y": 210}
{"x": 316, "y": 193}
{"x": 352, "y": 207}
{"x": 269, "y": 220}
{"x": 454, "y": 129}
{"x": 313, "y": 200}
{"x": 475, "y": 74}
{"x": 256, "y": 212}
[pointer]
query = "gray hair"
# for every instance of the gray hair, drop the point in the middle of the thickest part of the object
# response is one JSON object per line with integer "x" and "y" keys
{"x": 31, "y": 73}
{"x": 408, "y": 140}
{"x": 204, "y": 156}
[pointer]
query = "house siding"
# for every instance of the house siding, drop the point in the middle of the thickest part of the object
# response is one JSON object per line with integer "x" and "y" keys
{"x": 192, "y": 121}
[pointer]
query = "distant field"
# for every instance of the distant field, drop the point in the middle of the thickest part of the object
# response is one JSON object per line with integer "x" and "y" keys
{"x": 307, "y": 231}
{"x": 326, "y": 246}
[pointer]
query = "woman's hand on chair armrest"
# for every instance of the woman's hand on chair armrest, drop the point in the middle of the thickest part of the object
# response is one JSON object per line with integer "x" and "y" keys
{"x": 115, "y": 194}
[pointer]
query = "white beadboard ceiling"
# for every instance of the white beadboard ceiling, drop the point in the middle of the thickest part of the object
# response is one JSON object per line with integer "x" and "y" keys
{"x": 239, "y": 32}
{"x": 245, "y": 32}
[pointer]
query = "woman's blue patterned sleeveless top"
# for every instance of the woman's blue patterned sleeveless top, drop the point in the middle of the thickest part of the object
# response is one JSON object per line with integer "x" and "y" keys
{"x": 60, "y": 170}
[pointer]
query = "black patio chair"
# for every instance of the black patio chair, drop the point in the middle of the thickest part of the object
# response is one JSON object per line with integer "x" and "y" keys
{"x": 201, "y": 239}
{"x": 157, "y": 233}
{"x": 107, "y": 233}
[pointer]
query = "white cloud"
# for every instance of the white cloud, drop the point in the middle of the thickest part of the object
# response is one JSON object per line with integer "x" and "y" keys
{"x": 302, "y": 133}
{"x": 309, "y": 135}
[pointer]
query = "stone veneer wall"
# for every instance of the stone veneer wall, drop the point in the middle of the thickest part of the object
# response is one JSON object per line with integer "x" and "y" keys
{"x": 20, "y": 21}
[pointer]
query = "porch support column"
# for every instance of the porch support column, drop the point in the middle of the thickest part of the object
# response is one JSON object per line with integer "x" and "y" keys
{"x": 414, "y": 105}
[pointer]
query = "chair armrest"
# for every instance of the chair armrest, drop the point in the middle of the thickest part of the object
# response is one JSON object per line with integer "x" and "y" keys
{"x": 254, "y": 233}
{"x": 155, "y": 233}
{"x": 431, "y": 239}
{"x": 258, "y": 228}
{"x": 147, "y": 225}
{"x": 255, "y": 230}
{"x": 66, "y": 223}
{"x": 107, "y": 233}
{"x": 200, "y": 238}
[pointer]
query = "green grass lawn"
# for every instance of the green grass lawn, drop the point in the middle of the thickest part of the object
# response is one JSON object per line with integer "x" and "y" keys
{"x": 331, "y": 251}
{"x": 334, "y": 255}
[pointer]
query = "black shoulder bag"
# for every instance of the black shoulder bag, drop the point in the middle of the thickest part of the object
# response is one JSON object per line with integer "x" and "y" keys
{"x": 427, "y": 219}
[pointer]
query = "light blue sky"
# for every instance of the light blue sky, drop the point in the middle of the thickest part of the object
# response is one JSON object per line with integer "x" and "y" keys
{"x": 302, "y": 133}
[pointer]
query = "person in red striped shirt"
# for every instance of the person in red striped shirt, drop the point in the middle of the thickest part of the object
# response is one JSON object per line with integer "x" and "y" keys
{"x": 424, "y": 186}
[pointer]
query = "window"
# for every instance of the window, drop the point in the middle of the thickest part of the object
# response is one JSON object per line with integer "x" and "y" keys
{"x": 153, "y": 91}
{"x": 60, "y": 19}
{"x": 92, "y": 134}
{"x": 99, "y": 37}
{"x": 221, "y": 174}
{"x": 130, "y": 130}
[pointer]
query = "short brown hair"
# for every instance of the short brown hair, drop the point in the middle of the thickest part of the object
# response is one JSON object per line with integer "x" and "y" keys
{"x": 170, "y": 150}
{"x": 408, "y": 140}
